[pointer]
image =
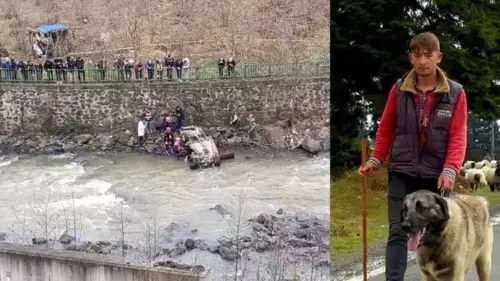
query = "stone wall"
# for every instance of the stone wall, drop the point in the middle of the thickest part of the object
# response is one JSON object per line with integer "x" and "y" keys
{"x": 43, "y": 264}
{"x": 104, "y": 108}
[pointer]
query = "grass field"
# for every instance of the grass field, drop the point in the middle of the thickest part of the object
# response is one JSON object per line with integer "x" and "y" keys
{"x": 345, "y": 211}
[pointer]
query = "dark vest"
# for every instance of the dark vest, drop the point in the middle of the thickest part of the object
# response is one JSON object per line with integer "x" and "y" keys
{"x": 405, "y": 154}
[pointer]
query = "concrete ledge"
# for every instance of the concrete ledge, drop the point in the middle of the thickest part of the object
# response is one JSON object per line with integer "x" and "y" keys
{"x": 19, "y": 262}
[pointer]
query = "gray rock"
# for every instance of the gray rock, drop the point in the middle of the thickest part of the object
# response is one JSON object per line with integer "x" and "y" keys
{"x": 213, "y": 248}
{"x": 3, "y": 236}
{"x": 18, "y": 143}
{"x": 200, "y": 244}
{"x": 275, "y": 137}
{"x": 150, "y": 148}
{"x": 261, "y": 246}
{"x": 221, "y": 210}
{"x": 39, "y": 241}
{"x": 234, "y": 140}
{"x": 225, "y": 241}
{"x": 301, "y": 234}
{"x": 65, "y": 239}
{"x": 228, "y": 253}
{"x": 31, "y": 143}
{"x": 301, "y": 243}
{"x": 312, "y": 145}
{"x": 42, "y": 144}
{"x": 302, "y": 217}
{"x": 104, "y": 243}
{"x": 82, "y": 139}
{"x": 259, "y": 228}
{"x": 132, "y": 141}
{"x": 104, "y": 140}
{"x": 177, "y": 251}
{"x": 190, "y": 244}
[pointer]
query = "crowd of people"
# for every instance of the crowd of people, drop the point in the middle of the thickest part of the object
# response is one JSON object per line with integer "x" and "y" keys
{"x": 123, "y": 68}
{"x": 170, "y": 130}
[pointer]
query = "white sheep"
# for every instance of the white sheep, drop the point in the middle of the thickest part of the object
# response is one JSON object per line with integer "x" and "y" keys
{"x": 493, "y": 164}
{"x": 469, "y": 164}
{"x": 492, "y": 176}
{"x": 476, "y": 177}
{"x": 481, "y": 164}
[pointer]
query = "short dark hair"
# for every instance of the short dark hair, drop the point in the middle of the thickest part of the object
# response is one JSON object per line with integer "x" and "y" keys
{"x": 425, "y": 40}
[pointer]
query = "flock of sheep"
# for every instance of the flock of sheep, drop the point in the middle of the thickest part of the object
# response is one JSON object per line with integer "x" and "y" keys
{"x": 481, "y": 174}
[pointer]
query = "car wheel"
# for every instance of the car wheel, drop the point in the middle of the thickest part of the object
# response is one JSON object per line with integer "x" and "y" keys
{"x": 217, "y": 161}
{"x": 193, "y": 163}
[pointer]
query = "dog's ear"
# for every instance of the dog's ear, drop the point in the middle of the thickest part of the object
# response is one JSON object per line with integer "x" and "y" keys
{"x": 445, "y": 212}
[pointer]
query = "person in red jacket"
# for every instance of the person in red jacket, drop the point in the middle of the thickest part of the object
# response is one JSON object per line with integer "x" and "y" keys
{"x": 423, "y": 134}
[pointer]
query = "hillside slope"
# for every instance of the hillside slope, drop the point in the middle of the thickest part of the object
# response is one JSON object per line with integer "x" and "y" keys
{"x": 249, "y": 30}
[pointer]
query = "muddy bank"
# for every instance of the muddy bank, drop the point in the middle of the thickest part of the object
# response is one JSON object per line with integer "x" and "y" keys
{"x": 274, "y": 137}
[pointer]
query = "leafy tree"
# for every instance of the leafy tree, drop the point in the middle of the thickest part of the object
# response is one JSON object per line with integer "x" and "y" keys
{"x": 369, "y": 53}
{"x": 478, "y": 137}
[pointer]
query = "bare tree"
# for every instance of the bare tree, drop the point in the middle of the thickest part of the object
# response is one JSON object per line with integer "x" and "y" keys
{"x": 10, "y": 8}
{"x": 241, "y": 201}
{"x": 152, "y": 236}
{"x": 42, "y": 218}
{"x": 121, "y": 222}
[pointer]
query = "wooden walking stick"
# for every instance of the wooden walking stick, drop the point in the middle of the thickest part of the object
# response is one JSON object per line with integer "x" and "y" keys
{"x": 363, "y": 210}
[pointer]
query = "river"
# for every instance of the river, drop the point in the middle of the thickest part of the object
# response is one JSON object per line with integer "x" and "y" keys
{"x": 97, "y": 194}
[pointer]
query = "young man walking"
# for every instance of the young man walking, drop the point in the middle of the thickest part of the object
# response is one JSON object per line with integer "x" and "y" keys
{"x": 423, "y": 134}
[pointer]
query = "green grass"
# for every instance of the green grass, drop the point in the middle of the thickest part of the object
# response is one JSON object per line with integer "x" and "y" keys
{"x": 345, "y": 211}
{"x": 493, "y": 197}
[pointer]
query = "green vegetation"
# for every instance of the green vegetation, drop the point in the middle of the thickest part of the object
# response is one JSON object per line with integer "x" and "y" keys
{"x": 345, "y": 211}
{"x": 345, "y": 208}
{"x": 372, "y": 52}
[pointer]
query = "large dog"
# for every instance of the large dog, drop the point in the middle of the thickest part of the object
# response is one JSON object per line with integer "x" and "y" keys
{"x": 449, "y": 234}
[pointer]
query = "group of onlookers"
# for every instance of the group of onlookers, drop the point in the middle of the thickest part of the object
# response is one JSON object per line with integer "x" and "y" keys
{"x": 125, "y": 68}
{"x": 228, "y": 64}
{"x": 57, "y": 70}
{"x": 170, "y": 130}
{"x": 171, "y": 68}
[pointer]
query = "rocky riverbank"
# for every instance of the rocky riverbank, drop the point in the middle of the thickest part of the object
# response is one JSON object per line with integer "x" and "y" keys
{"x": 274, "y": 137}
{"x": 297, "y": 236}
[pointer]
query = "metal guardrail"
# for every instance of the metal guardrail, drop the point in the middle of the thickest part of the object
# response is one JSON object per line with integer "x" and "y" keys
{"x": 94, "y": 75}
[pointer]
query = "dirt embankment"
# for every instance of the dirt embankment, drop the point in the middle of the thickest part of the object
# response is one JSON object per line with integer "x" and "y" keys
{"x": 249, "y": 31}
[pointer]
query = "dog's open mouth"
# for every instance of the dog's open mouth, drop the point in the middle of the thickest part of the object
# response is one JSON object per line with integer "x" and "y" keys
{"x": 414, "y": 240}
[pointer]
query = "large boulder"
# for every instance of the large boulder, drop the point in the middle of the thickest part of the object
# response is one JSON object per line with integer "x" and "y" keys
{"x": 82, "y": 139}
{"x": 105, "y": 141}
{"x": 312, "y": 145}
{"x": 275, "y": 137}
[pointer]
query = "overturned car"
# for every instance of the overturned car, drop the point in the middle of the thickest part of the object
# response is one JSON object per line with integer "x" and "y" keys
{"x": 201, "y": 149}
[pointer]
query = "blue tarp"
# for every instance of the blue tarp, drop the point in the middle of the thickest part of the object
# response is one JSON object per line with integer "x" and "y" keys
{"x": 51, "y": 28}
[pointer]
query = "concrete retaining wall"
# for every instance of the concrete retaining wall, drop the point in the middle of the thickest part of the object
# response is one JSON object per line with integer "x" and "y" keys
{"x": 109, "y": 107}
{"x": 28, "y": 263}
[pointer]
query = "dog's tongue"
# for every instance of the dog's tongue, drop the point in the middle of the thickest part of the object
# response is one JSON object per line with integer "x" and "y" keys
{"x": 414, "y": 240}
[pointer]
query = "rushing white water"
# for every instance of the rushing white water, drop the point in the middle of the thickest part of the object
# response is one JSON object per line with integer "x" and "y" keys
{"x": 45, "y": 195}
